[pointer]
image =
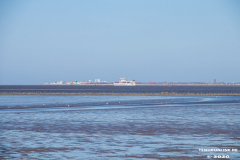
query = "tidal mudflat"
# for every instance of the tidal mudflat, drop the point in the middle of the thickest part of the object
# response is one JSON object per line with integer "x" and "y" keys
{"x": 118, "y": 126}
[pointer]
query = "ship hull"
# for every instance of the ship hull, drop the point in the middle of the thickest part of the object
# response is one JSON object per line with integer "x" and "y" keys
{"x": 124, "y": 84}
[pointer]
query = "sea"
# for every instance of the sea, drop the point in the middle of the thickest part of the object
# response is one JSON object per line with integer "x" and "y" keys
{"x": 116, "y": 127}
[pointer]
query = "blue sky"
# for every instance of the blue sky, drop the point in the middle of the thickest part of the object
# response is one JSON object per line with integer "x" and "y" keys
{"x": 154, "y": 40}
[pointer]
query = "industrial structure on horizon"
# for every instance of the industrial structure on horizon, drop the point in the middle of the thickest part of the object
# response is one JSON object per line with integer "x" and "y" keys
{"x": 124, "y": 82}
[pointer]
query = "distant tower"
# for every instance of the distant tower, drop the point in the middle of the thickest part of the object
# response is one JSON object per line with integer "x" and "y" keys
{"x": 215, "y": 81}
{"x": 76, "y": 82}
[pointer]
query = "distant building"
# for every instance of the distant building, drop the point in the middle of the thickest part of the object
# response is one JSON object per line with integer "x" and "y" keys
{"x": 57, "y": 83}
{"x": 90, "y": 81}
{"x": 97, "y": 80}
{"x": 60, "y": 82}
{"x": 215, "y": 81}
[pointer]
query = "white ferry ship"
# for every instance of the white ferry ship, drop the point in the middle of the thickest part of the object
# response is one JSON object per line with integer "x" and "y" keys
{"x": 124, "y": 82}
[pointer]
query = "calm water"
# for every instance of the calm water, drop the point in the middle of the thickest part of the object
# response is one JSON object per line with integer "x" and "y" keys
{"x": 120, "y": 89}
{"x": 118, "y": 127}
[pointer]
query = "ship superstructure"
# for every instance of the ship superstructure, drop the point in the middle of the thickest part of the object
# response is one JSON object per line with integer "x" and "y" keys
{"x": 124, "y": 82}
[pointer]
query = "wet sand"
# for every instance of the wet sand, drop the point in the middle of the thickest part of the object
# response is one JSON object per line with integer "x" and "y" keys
{"x": 133, "y": 130}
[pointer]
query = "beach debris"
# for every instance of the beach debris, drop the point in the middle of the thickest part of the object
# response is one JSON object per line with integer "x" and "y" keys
{"x": 119, "y": 102}
{"x": 43, "y": 104}
{"x": 83, "y": 134}
{"x": 107, "y": 103}
{"x": 68, "y": 105}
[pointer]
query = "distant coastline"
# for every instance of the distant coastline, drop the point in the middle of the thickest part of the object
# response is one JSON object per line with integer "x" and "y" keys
{"x": 91, "y": 93}
{"x": 124, "y": 82}
{"x": 147, "y": 84}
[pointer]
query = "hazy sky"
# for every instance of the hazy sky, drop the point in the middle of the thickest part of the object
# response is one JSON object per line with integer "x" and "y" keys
{"x": 147, "y": 40}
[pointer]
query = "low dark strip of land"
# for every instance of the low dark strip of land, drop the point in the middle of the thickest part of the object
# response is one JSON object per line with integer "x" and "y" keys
{"x": 91, "y": 93}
